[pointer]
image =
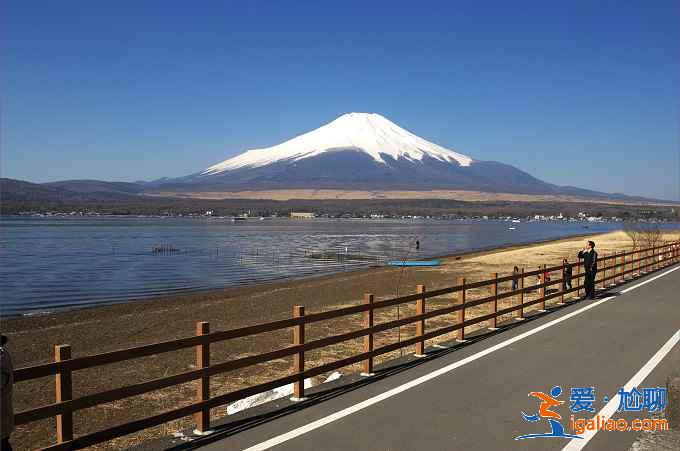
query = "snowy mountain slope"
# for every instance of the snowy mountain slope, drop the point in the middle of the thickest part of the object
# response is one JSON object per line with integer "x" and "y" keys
{"x": 360, "y": 151}
{"x": 372, "y": 134}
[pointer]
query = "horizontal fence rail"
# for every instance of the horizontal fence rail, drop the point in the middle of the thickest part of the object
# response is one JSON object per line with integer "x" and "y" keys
{"x": 613, "y": 269}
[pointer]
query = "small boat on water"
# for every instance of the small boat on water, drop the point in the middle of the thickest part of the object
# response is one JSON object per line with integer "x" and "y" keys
{"x": 414, "y": 262}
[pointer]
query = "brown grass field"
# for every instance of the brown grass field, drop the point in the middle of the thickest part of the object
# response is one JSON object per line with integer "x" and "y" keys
{"x": 336, "y": 194}
{"x": 101, "y": 329}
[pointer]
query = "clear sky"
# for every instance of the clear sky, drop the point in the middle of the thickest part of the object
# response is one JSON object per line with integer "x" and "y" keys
{"x": 582, "y": 93}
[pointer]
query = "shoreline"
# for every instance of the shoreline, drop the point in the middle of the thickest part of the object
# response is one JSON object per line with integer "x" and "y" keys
{"x": 240, "y": 289}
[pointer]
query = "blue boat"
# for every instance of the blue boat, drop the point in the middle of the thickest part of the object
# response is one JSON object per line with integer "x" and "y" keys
{"x": 414, "y": 262}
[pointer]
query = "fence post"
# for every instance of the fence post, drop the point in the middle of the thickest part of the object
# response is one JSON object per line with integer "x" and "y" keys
{"x": 202, "y": 418}
{"x": 521, "y": 293}
{"x": 563, "y": 284}
{"x": 646, "y": 261}
{"x": 631, "y": 263}
{"x": 603, "y": 282}
{"x": 657, "y": 262}
{"x": 368, "y": 339}
{"x": 299, "y": 358}
{"x": 420, "y": 324}
{"x": 623, "y": 266}
{"x": 541, "y": 292}
{"x": 670, "y": 254}
{"x": 493, "y": 322}
{"x": 640, "y": 259}
{"x": 615, "y": 269}
{"x": 461, "y": 312}
{"x": 63, "y": 392}
{"x": 639, "y": 263}
{"x": 578, "y": 280}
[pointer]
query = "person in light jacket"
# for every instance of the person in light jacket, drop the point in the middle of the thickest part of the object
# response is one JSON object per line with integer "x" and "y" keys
{"x": 589, "y": 257}
{"x": 6, "y": 408}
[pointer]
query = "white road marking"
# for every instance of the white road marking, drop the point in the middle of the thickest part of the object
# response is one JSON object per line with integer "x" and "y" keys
{"x": 427, "y": 377}
{"x": 611, "y": 407}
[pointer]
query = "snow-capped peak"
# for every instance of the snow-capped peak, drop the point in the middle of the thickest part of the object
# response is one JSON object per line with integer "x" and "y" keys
{"x": 370, "y": 133}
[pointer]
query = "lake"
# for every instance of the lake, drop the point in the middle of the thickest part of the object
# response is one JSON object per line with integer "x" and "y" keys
{"x": 50, "y": 264}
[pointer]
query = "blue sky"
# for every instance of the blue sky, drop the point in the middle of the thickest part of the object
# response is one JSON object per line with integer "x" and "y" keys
{"x": 580, "y": 93}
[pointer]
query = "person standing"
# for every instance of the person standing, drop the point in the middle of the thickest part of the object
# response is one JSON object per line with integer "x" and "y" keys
{"x": 566, "y": 275}
{"x": 6, "y": 408}
{"x": 515, "y": 278}
{"x": 589, "y": 257}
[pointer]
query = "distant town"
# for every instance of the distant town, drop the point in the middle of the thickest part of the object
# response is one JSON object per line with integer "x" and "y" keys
{"x": 583, "y": 216}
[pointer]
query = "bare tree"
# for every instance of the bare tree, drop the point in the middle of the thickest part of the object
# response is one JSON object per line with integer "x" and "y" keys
{"x": 651, "y": 235}
{"x": 633, "y": 230}
{"x": 643, "y": 234}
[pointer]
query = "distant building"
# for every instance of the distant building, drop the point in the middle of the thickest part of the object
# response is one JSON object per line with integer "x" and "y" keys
{"x": 301, "y": 215}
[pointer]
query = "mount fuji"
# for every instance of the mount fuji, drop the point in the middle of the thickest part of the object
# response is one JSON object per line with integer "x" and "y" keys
{"x": 371, "y": 134}
{"x": 360, "y": 151}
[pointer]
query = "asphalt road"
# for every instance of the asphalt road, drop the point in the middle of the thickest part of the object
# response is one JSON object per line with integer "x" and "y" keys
{"x": 477, "y": 403}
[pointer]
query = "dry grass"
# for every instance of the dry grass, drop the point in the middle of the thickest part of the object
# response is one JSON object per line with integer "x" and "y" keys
{"x": 100, "y": 330}
{"x": 338, "y": 194}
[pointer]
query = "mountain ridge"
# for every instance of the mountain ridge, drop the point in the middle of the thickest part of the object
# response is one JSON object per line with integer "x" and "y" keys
{"x": 362, "y": 151}
{"x": 354, "y": 152}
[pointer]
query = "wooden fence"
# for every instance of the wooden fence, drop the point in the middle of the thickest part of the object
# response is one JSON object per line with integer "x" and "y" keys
{"x": 613, "y": 269}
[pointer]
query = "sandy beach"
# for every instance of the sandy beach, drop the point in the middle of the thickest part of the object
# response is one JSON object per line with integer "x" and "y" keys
{"x": 95, "y": 330}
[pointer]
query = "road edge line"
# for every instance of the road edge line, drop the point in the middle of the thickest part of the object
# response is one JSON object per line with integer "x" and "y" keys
{"x": 611, "y": 407}
{"x": 301, "y": 430}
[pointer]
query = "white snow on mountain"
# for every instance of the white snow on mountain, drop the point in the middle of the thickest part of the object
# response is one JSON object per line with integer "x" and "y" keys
{"x": 370, "y": 133}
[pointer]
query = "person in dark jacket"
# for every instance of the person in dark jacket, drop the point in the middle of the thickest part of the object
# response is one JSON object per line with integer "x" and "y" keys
{"x": 515, "y": 278}
{"x": 566, "y": 275}
{"x": 589, "y": 257}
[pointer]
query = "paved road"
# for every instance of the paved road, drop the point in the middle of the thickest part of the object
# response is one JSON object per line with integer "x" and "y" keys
{"x": 477, "y": 405}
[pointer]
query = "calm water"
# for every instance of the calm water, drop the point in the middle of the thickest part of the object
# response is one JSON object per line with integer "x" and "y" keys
{"x": 51, "y": 264}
